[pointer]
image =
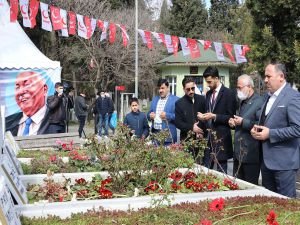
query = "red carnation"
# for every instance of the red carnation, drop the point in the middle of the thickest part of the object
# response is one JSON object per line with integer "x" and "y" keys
{"x": 216, "y": 205}
{"x": 106, "y": 181}
{"x": 271, "y": 218}
{"x": 81, "y": 181}
{"x": 176, "y": 176}
{"x": 105, "y": 193}
{"x": 189, "y": 176}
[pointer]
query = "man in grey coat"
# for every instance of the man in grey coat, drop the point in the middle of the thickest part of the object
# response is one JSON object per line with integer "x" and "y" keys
{"x": 81, "y": 110}
{"x": 279, "y": 132}
{"x": 246, "y": 149}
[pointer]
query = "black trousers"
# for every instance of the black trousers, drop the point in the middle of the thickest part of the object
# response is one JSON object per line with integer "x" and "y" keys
{"x": 81, "y": 120}
{"x": 248, "y": 171}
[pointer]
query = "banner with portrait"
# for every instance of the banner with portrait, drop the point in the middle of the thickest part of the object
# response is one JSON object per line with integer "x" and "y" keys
{"x": 24, "y": 94}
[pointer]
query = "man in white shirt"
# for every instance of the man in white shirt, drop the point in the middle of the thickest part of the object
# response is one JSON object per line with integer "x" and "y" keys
{"x": 279, "y": 132}
{"x": 30, "y": 94}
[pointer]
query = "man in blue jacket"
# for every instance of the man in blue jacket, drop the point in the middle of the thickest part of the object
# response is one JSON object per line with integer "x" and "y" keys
{"x": 162, "y": 111}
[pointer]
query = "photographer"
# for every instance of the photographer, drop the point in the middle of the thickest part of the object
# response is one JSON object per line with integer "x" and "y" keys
{"x": 57, "y": 105}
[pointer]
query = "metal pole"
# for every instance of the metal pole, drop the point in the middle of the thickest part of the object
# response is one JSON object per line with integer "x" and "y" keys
{"x": 136, "y": 90}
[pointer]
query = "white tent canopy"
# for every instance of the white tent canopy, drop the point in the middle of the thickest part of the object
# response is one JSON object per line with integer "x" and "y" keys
{"x": 16, "y": 49}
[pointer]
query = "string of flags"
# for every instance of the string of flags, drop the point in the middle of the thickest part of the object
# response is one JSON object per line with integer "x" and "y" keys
{"x": 66, "y": 23}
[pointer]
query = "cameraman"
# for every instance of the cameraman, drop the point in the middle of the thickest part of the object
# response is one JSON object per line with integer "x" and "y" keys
{"x": 57, "y": 110}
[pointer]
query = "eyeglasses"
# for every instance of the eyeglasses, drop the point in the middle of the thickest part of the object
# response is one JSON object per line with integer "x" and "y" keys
{"x": 190, "y": 89}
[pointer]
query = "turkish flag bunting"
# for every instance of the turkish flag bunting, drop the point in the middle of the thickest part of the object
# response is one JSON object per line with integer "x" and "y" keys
{"x": 24, "y": 11}
{"x": 112, "y": 33}
{"x": 240, "y": 58}
{"x": 175, "y": 42}
{"x": 103, "y": 26}
{"x": 219, "y": 51}
{"x": 56, "y": 18}
{"x": 207, "y": 44}
{"x": 228, "y": 48}
{"x": 184, "y": 46}
{"x": 72, "y": 23}
{"x": 14, "y": 10}
{"x": 245, "y": 49}
{"x": 34, "y": 8}
{"x": 87, "y": 22}
{"x": 93, "y": 25}
{"x": 124, "y": 35}
{"x": 169, "y": 44}
{"x": 194, "y": 48}
{"x": 162, "y": 37}
{"x": 46, "y": 22}
{"x": 148, "y": 39}
{"x": 81, "y": 29}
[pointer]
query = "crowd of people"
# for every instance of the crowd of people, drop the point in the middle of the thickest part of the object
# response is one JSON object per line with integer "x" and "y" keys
{"x": 267, "y": 128}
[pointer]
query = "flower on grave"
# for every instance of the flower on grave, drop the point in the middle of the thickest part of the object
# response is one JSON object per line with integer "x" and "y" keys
{"x": 105, "y": 193}
{"x": 271, "y": 218}
{"x": 81, "y": 181}
{"x": 216, "y": 205}
{"x": 204, "y": 222}
{"x": 152, "y": 186}
{"x": 52, "y": 158}
{"x": 231, "y": 185}
{"x": 189, "y": 176}
{"x": 66, "y": 146}
{"x": 176, "y": 176}
{"x": 106, "y": 181}
{"x": 82, "y": 193}
{"x": 175, "y": 186}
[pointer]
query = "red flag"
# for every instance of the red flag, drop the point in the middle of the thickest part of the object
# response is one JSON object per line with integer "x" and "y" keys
{"x": 14, "y": 10}
{"x": 34, "y": 8}
{"x": 148, "y": 39}
{"x": 72, "y": 23}
{"x": 245, "y": 50}
{"x": 207, "y": 44}
{"x": 162, "y": 37}
{"x": 112, "y": 33}
{"x": 100, "y": 24}
{"x": 87, "y": 22}
{"x": 194, "y": 48}
{"x": 56, "y": 18}
{"x": 228, "y": 48}
{"x": 175, "y": 42}
{"x": 124, "y": 35}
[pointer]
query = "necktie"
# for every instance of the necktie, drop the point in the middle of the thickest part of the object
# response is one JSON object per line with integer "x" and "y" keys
{"x": 263, "y": 116}
{"x": 28, "y": 121}
{"x": 213, "y": 100}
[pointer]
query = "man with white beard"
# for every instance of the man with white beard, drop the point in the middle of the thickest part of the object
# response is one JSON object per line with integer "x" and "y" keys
{"x": 246, "y": 148}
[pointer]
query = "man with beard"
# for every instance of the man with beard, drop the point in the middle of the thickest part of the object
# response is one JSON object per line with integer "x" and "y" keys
{"x": 30, "y": 94}
{"x": 186, "y": 109}
{"x": 162, "y": 111}
{"x": 246, "y": 149}
{"x": 220, "y": 107}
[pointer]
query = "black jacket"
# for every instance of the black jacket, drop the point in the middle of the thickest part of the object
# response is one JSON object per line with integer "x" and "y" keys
{"x": 80, "y": 106}
{"x": 137, "y": 122}
{"x": 186, "y": 113}
{"x": 104, "y": 106}
{"x": 57, "y": 109}
{"x": 225, "y": 108}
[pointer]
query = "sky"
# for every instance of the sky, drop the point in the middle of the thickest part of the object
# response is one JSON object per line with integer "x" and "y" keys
{"x": 207, "y": 3}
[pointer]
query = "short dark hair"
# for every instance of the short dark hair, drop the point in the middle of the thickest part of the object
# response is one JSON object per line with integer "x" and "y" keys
{"x": 162, "y": 81}
{"x": 187, "y": 80}
{"x": 58, "y": 84}
{"x": 134, "y": 99}
{"x": 279, "y": 67}
{"x": 211, "y": 71}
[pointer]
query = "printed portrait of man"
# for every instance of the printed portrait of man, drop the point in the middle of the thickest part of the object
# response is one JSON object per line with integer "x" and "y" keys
{"x": 30, "y": 95}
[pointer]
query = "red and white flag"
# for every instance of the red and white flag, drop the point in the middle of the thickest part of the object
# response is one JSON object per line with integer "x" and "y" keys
{"x": 81, "y": 29}
{"x": 194, "y": 48}
{"x": 46, "y": 22}
{"x": 175, "y": 42}
{"x": 159, "y": 37}
{"x": 240, "y": 58}
{"x": 14, "y": 10}
{"x": 88, "y": 25}
{"x": 168, "y": 43}
{"x": 24, "y": 7}
{"x": 124, "y": 35}
{"x": 219, "y": 51}
{"x": 184, "y": 46}
{"x": 228, "y": 48}
{"x": 112, "y": 33}
{"x": 33, "y": 9}
{"x": 245, "y": 49}
{"x": 72, "y": 23}
{"x": 64, "y": 30}
{"x": 104, "y": 27}
{"x": 146, "y": 37}
{"x": 93, "y": 25}
{"x": 56, "y": 18}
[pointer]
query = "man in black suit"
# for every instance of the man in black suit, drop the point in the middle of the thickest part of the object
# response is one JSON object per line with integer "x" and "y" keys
{"x": 186, "y": 109}
{"x": 30, "y": 94}
{"x": 220, "y": 106}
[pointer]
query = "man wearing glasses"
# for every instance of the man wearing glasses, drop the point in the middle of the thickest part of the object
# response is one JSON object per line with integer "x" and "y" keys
{"x": 186, "y": 109}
